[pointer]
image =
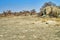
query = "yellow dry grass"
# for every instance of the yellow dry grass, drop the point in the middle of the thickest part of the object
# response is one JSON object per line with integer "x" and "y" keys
{"x": 29, "y": 28}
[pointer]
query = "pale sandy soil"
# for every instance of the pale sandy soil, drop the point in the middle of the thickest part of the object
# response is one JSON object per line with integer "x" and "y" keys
{"x": 29, "y": 28}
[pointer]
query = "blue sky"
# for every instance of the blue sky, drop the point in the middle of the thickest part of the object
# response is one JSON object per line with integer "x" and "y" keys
{"x": 19, "y": 5}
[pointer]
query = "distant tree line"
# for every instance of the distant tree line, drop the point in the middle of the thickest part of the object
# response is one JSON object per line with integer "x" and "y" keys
{"x": 48, "y": 9}
{"x": 21, "y": 13}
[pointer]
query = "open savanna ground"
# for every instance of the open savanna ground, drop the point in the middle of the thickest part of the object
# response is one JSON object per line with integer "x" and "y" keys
{"x": 29, "y": 28}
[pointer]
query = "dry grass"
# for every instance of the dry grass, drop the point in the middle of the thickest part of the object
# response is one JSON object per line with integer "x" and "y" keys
{"x": 29, "y": 28}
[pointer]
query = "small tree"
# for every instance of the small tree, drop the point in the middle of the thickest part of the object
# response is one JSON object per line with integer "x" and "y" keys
{"x": 4, "y": 13}
{"x": 33, "y": 12}
{"x": 9, "y": 12}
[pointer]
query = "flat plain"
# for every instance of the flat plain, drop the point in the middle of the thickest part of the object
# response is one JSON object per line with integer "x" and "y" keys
{"x": 29, "y": 28}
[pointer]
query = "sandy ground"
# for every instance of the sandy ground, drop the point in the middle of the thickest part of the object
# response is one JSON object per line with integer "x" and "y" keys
{"x": 29, "y": 28}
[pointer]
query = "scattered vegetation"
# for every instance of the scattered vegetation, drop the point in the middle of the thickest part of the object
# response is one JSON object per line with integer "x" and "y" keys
{"x": 49, "y": 9}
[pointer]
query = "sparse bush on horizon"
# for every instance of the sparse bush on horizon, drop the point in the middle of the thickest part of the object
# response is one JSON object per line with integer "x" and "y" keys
{"x": 21, "y": 13}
